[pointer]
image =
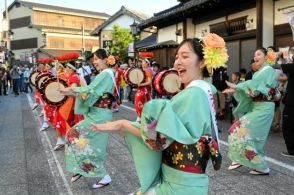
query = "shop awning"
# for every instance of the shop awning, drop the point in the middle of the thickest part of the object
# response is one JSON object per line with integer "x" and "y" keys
{"x": 165, "y": 44}
{"x": 43, "y": 53}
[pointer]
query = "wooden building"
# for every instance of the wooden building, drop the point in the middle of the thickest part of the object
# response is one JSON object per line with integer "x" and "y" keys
{"x": 50, "y": 30}
{"x": 244, "y": 24}
{"x": 123, "y": 18}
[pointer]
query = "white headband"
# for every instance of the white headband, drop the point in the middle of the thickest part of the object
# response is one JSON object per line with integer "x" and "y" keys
{"x": 71, "y": 66}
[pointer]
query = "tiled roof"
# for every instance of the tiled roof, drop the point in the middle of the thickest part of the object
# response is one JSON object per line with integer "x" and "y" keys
{"x": 55, "y": 52}
{"x": 172, "y": 11}
{"x": 123, "y": 11}
{"x": 59, "y": 28}
{"x": 151, "y": 40}
{"x": 58, "y": 8}
{"x": 165, "y": 44}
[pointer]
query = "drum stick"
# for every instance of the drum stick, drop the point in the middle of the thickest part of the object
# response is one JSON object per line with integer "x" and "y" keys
{"x": 56, "y": 67}
{"x": 137, "y": 77}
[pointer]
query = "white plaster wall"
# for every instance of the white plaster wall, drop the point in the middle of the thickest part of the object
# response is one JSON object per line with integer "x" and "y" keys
{"x": 18, "y": 12}
{"x": 123, "y": 21}
{"x": 25, "y": 33}
{"x": 279, "y": 16}
{"x": 167, "y": 33}
{"x": 268, "y": 23}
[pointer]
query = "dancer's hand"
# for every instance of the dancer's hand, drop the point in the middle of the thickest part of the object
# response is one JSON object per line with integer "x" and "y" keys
{"x": 229, "y": 91}
{"x": 109, "y": 126}
{"x": 231, "y": 85}
{"x": 65, "y": 91}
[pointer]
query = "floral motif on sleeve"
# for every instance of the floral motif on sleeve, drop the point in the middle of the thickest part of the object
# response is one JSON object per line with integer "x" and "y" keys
{"x": 272, "y": 95}
{"x": 154, "y": 139}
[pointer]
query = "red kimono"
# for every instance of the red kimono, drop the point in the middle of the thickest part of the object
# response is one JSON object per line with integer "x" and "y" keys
{"x": 143, "y": 94}
{"x": 65, "y": 117}
{"x": 49, "y": 110}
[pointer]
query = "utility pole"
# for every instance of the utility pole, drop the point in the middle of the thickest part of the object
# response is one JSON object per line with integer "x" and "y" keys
{"x": 83, "y": 41}
{"x": 7, "y": 20}
{"x": 7, "y": 31}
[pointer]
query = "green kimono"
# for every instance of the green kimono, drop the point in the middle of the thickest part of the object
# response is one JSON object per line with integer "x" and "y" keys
{"x": 85, "y": 149}
{"x": 248, "y": 135}
{"x": 172, "y": 132}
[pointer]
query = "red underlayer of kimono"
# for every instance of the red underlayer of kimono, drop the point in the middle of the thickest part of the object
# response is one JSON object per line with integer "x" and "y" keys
{"x": 38, "y": 97}
{"x": 64, "y": 116}
{"x": 143, "y": 95}
{"x": 49, "y": 112}
{"x": 49, "y": 109}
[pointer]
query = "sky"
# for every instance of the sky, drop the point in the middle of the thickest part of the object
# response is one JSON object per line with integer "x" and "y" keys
{"x": 108, "y": 6}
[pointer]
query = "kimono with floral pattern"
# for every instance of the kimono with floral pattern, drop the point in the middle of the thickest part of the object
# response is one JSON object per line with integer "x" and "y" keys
{"x": 248, "y": 135}
{"x": 85, "y": 149}
{"x": 173, "y": 133}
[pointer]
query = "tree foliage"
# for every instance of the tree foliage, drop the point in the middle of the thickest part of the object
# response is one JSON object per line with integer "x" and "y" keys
{"x": 121, "y": 38}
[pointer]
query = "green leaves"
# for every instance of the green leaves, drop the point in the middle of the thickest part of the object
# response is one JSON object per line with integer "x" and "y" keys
{"x": 121, "y": 39}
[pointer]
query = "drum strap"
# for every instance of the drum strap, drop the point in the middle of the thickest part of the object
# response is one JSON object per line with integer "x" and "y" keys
{"x": 206, "y": 88}
{"x": 113, "y": 79}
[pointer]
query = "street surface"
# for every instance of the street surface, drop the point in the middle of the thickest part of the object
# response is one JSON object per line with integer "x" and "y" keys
{"x": 29, "y": 166}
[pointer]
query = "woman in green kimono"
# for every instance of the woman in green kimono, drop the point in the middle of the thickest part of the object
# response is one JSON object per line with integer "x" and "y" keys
{"x": 85, "y": 150}
{"x": 175, "y": 139}
{"x": 248, "y": 135}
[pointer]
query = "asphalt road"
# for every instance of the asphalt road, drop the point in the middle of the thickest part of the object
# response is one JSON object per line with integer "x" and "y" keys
{"x": 29, "y": 166}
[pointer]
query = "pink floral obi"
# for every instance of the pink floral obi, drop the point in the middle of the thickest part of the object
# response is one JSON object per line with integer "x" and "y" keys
{"x": 105, "y": 101}
{"x": 273, "y": 95}
{"x": 193, "y": 158}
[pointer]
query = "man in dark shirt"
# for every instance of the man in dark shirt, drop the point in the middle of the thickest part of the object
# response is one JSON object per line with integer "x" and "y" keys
{"x": 288, "y": 113}
{"x": 243, "y": 74}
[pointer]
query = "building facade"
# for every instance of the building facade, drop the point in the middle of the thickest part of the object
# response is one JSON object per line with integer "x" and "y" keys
{"x": 244, "y": 24}
{"x": 123, "y": 18}
{"x": 50, "y": 30}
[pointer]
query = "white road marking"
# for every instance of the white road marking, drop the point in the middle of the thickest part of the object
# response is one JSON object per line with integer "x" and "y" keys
{"x": 52, "y": 158}
{"x": 271, "y": 160}
{"x": 128, "y": 108}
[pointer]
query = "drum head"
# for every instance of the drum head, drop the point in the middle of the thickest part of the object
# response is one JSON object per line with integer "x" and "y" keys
{"x": 51, "y": 94}
{"x": 42, "y": 87}
{"x": 33, "y": 76}
{"x": 171, "y": 83}
{"x": 40, "y": 78}
{"x": 136, "y": 76}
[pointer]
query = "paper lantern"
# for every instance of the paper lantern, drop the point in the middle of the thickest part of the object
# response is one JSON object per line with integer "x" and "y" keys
{"x": 146, "y": 54}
